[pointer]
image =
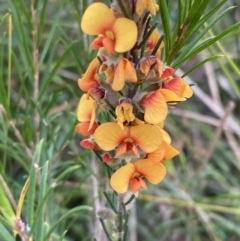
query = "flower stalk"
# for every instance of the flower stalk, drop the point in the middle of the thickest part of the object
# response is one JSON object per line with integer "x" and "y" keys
{"x": 129, "y": 82}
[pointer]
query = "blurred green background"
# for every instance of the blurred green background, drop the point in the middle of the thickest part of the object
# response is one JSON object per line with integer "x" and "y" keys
{"x": 200, "y": 196}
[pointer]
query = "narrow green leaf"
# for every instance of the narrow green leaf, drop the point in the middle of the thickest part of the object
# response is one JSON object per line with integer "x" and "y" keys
{"x": 166, "y": 25}
{"x": 42, "y": 14}
{"x": 42, "y": 191}
{"x": 32, "y": 184}
{"x": 5, "y": 207}
{"x": 50, "y": 36}
{"x": 188, "y": 35}
{"x": 55, "y": 68}
{"x": 64, "y": 217}
{"x": 202, "y": 63}
{"x": 208, "y": 42}
{"x": 3, "y": 90}
{"x": 4, "y": 234}
{"x": 67, "y": 172}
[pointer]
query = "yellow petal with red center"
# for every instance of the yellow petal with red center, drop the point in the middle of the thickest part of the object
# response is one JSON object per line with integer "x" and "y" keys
{"x": 187, "y": 91}
{"x": 87, "y": 110}
{"x": 90, "y": 78}
{"x": 148, "y": 137}
{"x": 120, "y": 179}
{"x": 84, "y": 128}
{"x": 155, "y": 107}
{"x": 109, "y": 135}
{"x": 170, "y": 96}
{"x": 97, "y": 19}
{"x": 125, "y": 32}
{"x": 154, "y": 172}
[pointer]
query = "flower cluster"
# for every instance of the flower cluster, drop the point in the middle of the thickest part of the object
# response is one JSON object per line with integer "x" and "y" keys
{"x": 128, "y": 85}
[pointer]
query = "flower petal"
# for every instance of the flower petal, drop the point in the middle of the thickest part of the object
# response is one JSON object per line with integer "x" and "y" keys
{"x": 124, "y": 112}
{"x": 165, "y": 151}
{"x": 170, "y": 96}
{"x": 148, "y": 137}
{"x": 154, "y": 172}
{"x": 140, "y": 7}
{"x": 155, "y": 107}
{"x": 87, "y": 109}
{"x": 129, "y": 71}
{"x": 119, "y": 76}
{"x": 187, "y": 91}
{"x": 84, "y": 128}
{"x": 88, "y": 144}
{"x": 170, "y": 151}
{"x": 97, "y": 19}
{"x": 120, "y": 179}
{"x": 109, "y": 135}
{"x": 176, "y": 85}
{"x": 90, "y": 78}
{"x": 125, "y": 32}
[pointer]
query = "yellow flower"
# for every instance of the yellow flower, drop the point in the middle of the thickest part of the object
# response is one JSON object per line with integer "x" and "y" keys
{"x": 132, "y": 175}
{"x": 124, "y": 113}
{"x": 143, "y": 5}
{"x": 119, "y": 34}
{"x": 110, "y": 135}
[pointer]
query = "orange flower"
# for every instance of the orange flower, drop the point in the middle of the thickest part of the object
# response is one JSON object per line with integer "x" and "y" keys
{"x": 132, "y": 175}
{"x": 118, "y": 75}
{"x": 90, "y": 78}
{"x": 143, "y": 5}
{"x": 110, "y": 135}
{"x": 124, "y": 113}
{"x": 86, "y": 111}
{"x": 179, "y": 87}
{"x": 152, "y": 41}
{"x": 119, "y": 34}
